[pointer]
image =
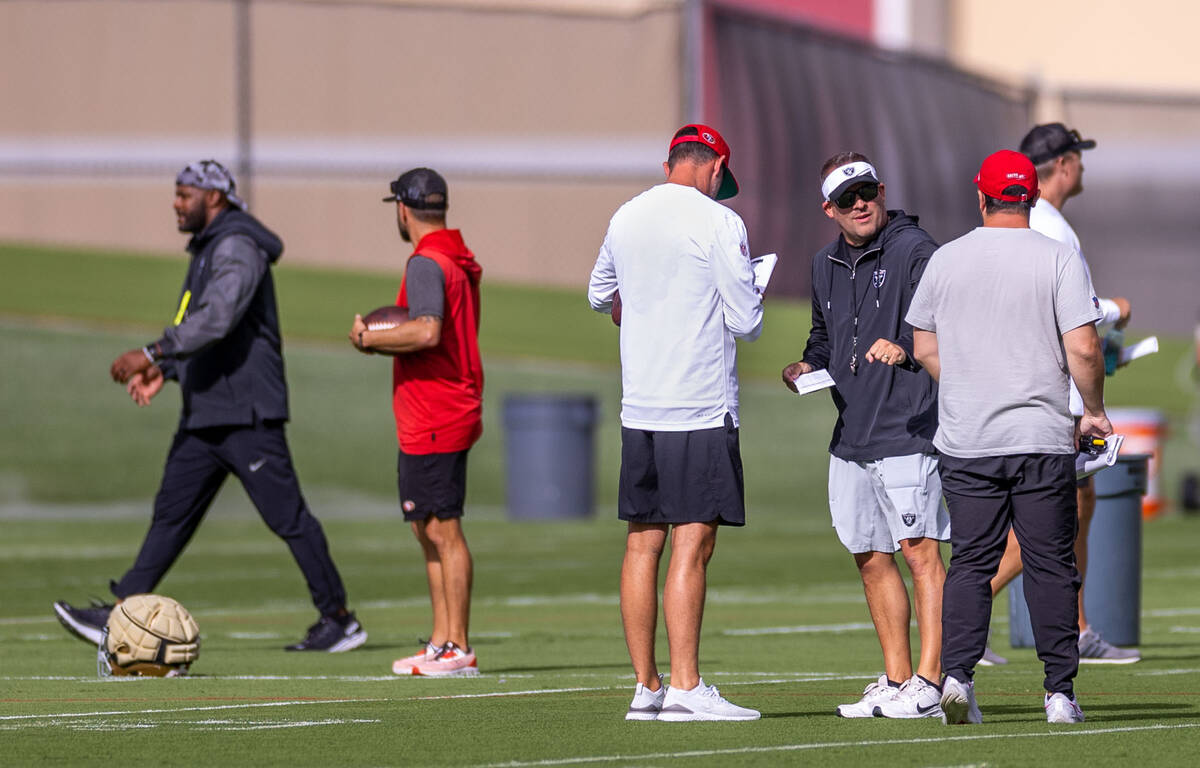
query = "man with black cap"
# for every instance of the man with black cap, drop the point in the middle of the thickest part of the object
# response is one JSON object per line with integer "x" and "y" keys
{"x": 681, "y": 264}
{"x": 437, "y": 399}
{"x": 884, "y": 492}
{"x": 1005, "y": 434}
{"x": 1056, "y": 153}
{"x": 225, "y": 351}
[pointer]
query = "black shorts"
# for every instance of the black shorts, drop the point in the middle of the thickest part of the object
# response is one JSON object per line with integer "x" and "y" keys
{"x": 682, "y": 477}
{"x": 432, "y": 484}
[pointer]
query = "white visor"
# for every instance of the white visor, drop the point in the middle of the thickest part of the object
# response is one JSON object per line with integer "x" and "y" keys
{"x": 846, "y": 175}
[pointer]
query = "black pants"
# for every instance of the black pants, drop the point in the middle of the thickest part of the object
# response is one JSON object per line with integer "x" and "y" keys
{"x": 1035, "y": 494}
{"x": 197, "y": 465}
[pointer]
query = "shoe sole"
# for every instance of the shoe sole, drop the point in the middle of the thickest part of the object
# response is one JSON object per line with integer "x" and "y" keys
{"x": 935, "y": 712}
{"x": 464, "y": 672}
{"x": 634, "y": 715}
{"x": 349, "y": 643}
{"x": 855, "y": 714}
{"x": 696, "y": 717}
{"x": 1090, "y": 660}
{"x": 85, "y": 632}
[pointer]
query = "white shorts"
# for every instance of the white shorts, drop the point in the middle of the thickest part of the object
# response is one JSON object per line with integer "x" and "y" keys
{"x": 876, "y": 504}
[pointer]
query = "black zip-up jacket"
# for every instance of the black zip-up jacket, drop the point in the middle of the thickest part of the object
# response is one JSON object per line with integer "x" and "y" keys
{"x": 225, "y": 347}
{"x": 882, "y": 411}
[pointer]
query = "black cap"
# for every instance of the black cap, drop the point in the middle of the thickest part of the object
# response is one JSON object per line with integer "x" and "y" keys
{"x": 1046, "y": 142}
{"x": 421, "y": 188}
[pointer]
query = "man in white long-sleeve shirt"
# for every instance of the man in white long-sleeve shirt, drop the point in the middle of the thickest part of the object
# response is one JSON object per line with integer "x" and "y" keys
{"x": 678, "y": 263}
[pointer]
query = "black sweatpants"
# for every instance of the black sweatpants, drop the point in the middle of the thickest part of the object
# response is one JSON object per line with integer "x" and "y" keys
{"x": 197, "y": 465}
{"x": 1035, "y": 494}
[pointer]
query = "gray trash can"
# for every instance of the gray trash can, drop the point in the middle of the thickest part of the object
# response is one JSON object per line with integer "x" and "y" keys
{"x": 1113, "y": 597}
{"x": 549, "y": 454}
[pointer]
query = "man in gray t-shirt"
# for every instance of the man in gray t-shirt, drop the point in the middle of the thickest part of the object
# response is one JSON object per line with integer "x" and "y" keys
{"x": 1002, "y": 317}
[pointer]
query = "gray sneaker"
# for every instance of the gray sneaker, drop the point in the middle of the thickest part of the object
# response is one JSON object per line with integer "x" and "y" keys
{"x": 1062, "y": 709}
{"x": 646, "y": 703}
{"x": 991, "y": 659}
{"x": 1094, "y": 649}
{"x": 958, "y": 703}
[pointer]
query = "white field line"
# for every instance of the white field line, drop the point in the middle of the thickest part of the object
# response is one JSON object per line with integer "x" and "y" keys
{"x": 827, "y": 745}
{"x": 194, "y": 725}
{"x": 215, "y": 708}
{"x": 1185, "y": 629}
{"x": 1164, "y": 672}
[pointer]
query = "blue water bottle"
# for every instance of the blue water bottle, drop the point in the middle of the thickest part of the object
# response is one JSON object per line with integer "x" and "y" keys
{"x": 1113, "y": 341}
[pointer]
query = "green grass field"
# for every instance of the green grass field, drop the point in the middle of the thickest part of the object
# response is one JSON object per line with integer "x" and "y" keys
{"x": 786, "y": 628}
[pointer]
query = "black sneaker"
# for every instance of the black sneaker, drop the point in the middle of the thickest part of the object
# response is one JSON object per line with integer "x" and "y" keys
{"x": 332, "y": 634}
{"x": 85, "y": 623}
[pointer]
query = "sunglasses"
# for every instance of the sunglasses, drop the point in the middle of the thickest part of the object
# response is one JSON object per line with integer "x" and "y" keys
{"x": 867, "y": 193}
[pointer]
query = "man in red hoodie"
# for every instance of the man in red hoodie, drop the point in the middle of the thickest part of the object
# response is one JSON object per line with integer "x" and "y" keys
{"x": 437, "y": 396}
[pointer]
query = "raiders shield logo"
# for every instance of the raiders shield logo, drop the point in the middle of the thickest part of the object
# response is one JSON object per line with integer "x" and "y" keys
{"x": 909, "y": 518}
{"x": 877, "y": 277}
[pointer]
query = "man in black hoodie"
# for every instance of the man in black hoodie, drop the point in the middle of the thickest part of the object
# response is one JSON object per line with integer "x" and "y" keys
{"x": 224, "y": 349}
{"x": 884, "y": 492}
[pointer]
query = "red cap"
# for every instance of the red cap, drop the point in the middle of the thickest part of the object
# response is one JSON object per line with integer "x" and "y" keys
{"x": 713, "y": 140}
{"x": 1005, "y": 169}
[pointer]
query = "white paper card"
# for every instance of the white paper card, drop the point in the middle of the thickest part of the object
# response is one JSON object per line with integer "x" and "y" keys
{"x": 763, "y": 266}
{"x": 1146, "y": 346}
{"x": 1087, "y": 464}
{"x": 812, "y": 382}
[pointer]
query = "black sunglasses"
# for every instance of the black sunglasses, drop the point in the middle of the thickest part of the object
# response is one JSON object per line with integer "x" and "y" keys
{"x": 867, "y": 192}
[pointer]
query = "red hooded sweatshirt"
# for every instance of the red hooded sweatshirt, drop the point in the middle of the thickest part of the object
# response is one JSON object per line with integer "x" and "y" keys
{"x": 437, "y": 393}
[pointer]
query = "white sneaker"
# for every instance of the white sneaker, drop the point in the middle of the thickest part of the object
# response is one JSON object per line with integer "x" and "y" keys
{"x": 646, "y": 703}
{"x": 406, "y": 665}
{"x": 874, "y": 695}
{"x": 704, "y": 702}
{"x": 916, "y": 698}
{"x": 991, "y": 659}
{"x": 1060, "y": 709}
{"x": 958, "y": 702}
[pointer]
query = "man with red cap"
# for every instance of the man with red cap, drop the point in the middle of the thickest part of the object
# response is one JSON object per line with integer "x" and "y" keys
{"x": 1005, "y": 433}
{"x": 682, "y": 266}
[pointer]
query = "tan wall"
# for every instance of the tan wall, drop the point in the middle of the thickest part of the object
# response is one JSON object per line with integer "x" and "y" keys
{"x": 543, "y": 122}
{"x": 1080, "y": 43}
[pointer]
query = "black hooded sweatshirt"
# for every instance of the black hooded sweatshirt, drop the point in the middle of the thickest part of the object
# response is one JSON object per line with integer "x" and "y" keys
{"x": 882, "y": 411}
{"x": 224, "y": 347}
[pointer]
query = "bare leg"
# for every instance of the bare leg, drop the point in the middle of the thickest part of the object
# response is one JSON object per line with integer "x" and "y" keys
{"x": 1086, "y": 497}
{"x": 887, "y": 600}
{"x": 692, "y": 547}
{"x": 451, "y": 572}
{"x": 1010, "y": 564}
{"x": 639, "y": 597}
{"x": 924, "y": 558}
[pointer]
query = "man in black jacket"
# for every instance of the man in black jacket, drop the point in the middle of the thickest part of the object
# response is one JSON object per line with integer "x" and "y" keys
{"x": 884, "y": 492}
{"x": 224, "y": 349}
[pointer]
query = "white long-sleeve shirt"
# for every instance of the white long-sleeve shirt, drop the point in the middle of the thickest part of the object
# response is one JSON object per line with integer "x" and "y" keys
{"x": 1048, "y": 220}
{"x": 682, "y": 265}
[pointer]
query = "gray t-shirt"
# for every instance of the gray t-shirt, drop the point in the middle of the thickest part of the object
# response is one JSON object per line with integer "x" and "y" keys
{"x": 425, "y": 286}
{"x": 999, "y": 301}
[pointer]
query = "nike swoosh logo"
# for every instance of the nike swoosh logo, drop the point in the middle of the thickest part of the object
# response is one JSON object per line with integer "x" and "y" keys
{"x": 922, "y": 710}
{"x": 254, "y": 467}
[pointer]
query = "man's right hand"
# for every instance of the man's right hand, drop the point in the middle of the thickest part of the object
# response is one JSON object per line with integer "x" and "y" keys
{"x": 144, "y": 385}
{"x": 1096, "y": 424}
{"x": 793, "y": 371}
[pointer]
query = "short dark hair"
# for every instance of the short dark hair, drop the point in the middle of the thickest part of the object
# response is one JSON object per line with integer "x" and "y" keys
{"x": 692, "y": 151}
{"x": 996, "y": 205}
{"x": 840, "y": 159}
{"x": 426, "y": 216}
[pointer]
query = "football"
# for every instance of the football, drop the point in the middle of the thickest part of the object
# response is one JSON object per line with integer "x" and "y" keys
{"x": 149, "y": 636}
{"x": 388, "y": 316}
{"x": 616, "y": 308}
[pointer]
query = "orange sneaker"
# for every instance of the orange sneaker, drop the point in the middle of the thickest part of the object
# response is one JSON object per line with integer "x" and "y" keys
{"x": 408, "y": 664}
{"x": 451, "y": 661}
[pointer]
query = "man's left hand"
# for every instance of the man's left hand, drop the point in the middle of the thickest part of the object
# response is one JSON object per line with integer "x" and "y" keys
{"x": 125, "y": 366}
{"x": 886, "y": 352}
